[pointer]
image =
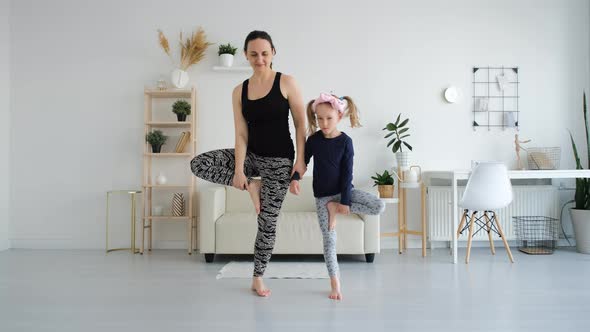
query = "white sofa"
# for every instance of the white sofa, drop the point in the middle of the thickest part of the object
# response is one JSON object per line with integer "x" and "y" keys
{"x": 228, "y": 225}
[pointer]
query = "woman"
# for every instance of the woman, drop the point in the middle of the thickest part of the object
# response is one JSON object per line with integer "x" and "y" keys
{"x": 263, "y": 145}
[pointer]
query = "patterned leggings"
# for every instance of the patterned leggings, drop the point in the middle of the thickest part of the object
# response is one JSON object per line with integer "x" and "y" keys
{"x": 360, "y": 202}
{"x": 218, "y": 166}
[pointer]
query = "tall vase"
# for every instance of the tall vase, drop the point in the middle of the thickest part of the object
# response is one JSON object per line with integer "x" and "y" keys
{"x": 180, "y": 78}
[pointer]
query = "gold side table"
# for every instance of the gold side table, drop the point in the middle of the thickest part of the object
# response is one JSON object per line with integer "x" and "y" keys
{"x": 133, "y": 194}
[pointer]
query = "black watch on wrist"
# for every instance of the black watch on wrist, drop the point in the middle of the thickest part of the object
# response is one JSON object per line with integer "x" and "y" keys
{"x": 296, "y": 176}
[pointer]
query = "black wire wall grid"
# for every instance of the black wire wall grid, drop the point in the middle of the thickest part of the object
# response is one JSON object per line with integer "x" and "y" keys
{"x": 495, "y": 97}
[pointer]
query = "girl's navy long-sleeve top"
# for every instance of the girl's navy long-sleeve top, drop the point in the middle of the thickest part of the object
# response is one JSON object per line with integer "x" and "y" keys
{"x": 332, "y": 165}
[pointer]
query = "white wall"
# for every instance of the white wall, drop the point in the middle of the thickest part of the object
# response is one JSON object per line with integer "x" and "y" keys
{"x": 79, "y": 70}
{"x": 4, "y": 122}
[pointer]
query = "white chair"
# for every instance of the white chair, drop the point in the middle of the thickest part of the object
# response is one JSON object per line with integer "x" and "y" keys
{"x": 488, "y": 189}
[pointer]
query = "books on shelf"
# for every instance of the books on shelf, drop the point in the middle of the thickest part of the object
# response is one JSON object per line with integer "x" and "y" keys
{"x": 182, "y": 141}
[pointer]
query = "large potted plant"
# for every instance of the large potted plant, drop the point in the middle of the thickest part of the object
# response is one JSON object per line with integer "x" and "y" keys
{"x": 181, "y": 108}
{"x": 580, "y": 213}
{"x": 384, "y": 183}
{"x": 399, "y": 129}
{"x": 156, "y": 139}
{"x": 226, "y": 54}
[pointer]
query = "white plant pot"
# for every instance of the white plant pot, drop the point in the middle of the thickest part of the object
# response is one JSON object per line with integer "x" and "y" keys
{"x": 581, "y": 223}
{"x": 226, "y": 60}
{"x": 179, "y": 78}
{"x": 403, "y": 159}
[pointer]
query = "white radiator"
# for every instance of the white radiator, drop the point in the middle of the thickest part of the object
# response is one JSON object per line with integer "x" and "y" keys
{"x": 528, "y": 201}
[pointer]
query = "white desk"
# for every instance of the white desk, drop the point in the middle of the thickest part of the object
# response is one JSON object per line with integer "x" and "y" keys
{"x": 527, "y": 174}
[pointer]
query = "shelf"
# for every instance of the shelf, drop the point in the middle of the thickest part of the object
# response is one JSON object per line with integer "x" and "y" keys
{"x": 168, "y": 93}
{"x": 165, "y": 186}
{"x": 169, "y": 154}
{"x": 169, "y": 124}
{"x": 167, "y": 217}
{"x": 232, "y": 69}
{"x": 390, "y": 200}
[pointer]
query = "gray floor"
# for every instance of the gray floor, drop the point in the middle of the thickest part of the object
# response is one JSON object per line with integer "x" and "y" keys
{"x": 169, "y": 290}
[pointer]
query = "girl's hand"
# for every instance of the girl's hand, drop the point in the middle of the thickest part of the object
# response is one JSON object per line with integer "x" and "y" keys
{"x": 294, "y": 187}
{"x": 299, "y": 167}
{"x": 240, "y": 181}
{"x": 343, "y": 209}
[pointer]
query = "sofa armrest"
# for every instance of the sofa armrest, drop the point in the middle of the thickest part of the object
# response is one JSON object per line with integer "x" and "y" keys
{"x": 212, "y": 206}
{"x": 372, "y": 233}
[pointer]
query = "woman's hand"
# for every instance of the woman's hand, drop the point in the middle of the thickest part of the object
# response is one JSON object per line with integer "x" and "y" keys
{"x": 294, "y": 187}
{"x": 240, "y": 181}
{"x": 299, "y": 167}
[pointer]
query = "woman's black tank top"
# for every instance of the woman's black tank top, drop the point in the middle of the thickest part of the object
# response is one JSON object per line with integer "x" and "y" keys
{"x": 268, "y": 122}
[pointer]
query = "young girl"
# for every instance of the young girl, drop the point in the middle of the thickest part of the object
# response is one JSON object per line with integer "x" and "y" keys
{"x": 333, "y": 153}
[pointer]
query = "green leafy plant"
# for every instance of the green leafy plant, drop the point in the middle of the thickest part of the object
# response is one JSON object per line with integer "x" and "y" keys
{"x": 181, "y": 107}
{"x": 156, "y": 138}
{"x": 398, "y": 129}
{"x": 582, "y": 195}
{"x": 382, "y": 179}
{"x": 227, "y": 49}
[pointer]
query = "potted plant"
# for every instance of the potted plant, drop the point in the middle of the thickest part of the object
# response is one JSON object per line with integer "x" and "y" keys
{"x": 397, "y": 143}
{"x": 226, "y": 54}
{"x": 192, "y": 51}
{"x": 580, "y": 213}
{"x": 181, "y": 108}
{"x": 156, "y": 139}
{"x": 384, "y": 183}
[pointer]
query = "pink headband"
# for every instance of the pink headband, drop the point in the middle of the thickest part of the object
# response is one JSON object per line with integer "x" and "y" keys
{"x": 337, "y": 103}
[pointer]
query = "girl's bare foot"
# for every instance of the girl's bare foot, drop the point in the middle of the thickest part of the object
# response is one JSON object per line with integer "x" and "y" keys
{"x": 259, "y": 288}
{"x": 335, "y": 294}
{"x": 254, "y": 190}
{"x": 332, "y": 208}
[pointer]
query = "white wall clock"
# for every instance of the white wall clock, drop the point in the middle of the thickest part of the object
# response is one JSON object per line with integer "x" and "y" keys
{"x": 451, "y": 94}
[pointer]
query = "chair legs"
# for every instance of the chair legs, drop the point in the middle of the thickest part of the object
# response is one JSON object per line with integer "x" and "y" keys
{"x": 503, "y": 238}
{"x": 490, "y": 225}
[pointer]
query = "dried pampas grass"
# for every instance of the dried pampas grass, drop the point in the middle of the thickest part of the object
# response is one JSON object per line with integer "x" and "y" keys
{"x": 192, "y": 50}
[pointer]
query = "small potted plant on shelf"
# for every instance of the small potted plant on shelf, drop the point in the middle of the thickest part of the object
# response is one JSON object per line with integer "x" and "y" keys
{"x": 580, "y": 213}
{"x": 397, "y": 143}
{"x": 384, "y": 183}
{"x": 156, "y": 139}
{"x": 226, "y": 54}
{"x": 181, "y": 108}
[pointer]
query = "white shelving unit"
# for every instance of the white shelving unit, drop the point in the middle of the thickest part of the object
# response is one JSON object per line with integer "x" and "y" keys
{"x": 151, "y": 189}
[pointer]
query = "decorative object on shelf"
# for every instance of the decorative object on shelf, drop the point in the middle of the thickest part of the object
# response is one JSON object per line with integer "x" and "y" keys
{"x": 495, "y": 97}
{"x": 544, "y": 157}
{"x": 181, "y": 108}
{"x": 384, "y": 183}
{"x": 178, "y": 205}
{"x": 161, "y": 83}
{"x": 517, "y": 148}
{"x": 158, "y": 210}
{"x": 412, "y": 176}
{"x": 580, "y": 213}
{"x": 156, "y": 139}
{"x": 451, "y": 94}
{"x": 182, "y": 141}
{"x": 161, "y": 179}
{"x": 397, "y": 143}
{"x": 226, "y": 54}
{"x": 192, "y": 51}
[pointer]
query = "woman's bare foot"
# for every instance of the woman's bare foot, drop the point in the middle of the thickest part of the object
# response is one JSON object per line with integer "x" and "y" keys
{"x": 259, "y": 288}
{"x": 335, "y": 294}
{"x": 254, "y": 190}
{"x": 332, "y": 211}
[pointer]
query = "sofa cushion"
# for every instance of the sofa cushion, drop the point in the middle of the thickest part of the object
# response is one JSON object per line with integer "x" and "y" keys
{"x": 297, "y": 233}
{"x": 239, "y": 200}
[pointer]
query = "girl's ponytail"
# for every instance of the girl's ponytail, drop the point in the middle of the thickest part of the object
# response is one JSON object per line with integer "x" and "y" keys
{"x": 352, "y": 112}
{"x": 312, "y": 124}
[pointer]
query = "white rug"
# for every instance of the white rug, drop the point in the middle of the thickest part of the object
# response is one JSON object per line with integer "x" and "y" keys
{"x": 276, "y": 270}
